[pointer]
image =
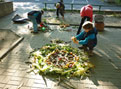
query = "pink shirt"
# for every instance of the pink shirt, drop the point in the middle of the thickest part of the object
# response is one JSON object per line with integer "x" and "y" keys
{"x": 87, "y": 11}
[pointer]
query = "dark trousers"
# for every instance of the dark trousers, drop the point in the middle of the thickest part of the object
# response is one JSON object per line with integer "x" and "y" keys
{"x": 90, "y": 45}
{"x": 60, "y": 11}
{"x": 81, "y": 23}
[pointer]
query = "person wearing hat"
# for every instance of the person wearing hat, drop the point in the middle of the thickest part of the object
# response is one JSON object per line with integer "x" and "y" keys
{"x": 35, "y": 17}
{"x": 60, "y": 8}
{"x": 86, "y": 14}
{"x": 87, "y": 38}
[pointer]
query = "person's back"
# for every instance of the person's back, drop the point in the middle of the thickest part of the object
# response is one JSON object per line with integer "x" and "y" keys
{"x": 62, "y": 7}
{"x": 37, "y": 15}
{"x": 87, "y": 11}
{"x": 32, "y": 12}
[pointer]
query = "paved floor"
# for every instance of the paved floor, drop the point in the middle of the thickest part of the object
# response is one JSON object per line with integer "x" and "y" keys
{"x": 107, "y": 58}
{"x": 6, "y": 40}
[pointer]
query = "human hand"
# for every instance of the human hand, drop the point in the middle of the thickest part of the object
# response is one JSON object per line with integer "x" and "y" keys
{"x": 73, "y": 39}
{"x": 42, "y": 24}
{"x": 76, "y": 42}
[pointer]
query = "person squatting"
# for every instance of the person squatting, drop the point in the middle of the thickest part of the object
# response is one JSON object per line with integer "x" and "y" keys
{"x": 87, "y": 38}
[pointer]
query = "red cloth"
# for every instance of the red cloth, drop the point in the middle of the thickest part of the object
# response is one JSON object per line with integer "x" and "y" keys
{"x": 87, "y": 11}
{"x": 41, "y": 24}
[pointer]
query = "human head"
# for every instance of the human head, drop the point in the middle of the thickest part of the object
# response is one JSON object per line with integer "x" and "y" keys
{"x": 57, "y": 5}
{"x": 42, "y": 11}
{"x": 87, "y": 26}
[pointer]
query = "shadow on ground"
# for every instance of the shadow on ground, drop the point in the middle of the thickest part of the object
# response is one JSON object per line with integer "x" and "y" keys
{"x": 107, "y": 58}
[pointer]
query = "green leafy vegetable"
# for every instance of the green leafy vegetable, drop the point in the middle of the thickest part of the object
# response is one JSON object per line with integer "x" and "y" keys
{"x": 63, "y": 60}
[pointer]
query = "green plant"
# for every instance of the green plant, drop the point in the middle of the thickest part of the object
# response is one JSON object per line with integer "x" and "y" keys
{"x": 118, "y": 2}
{"x": 116, "y": 15}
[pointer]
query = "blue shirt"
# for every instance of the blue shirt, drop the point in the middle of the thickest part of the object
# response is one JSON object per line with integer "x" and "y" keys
{"x": 84, "y": 40}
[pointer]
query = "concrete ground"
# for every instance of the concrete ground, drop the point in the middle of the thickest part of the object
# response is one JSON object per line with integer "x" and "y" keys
{"x": 107, "y": 58}
{"x": 6, "y": 40}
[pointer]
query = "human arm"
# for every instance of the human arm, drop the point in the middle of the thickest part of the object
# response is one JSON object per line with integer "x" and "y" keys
{"x": 74, "y": 40}
{"x": 85, "y": 41}
{"x": 80, "y": 36}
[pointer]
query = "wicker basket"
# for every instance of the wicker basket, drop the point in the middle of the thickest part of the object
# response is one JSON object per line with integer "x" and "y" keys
{"x": 99, "y": 26}
{"x": 99, "y": 22}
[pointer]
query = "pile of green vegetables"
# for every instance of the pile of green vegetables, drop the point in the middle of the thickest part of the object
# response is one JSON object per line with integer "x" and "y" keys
{"x": 60, "y": 59}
